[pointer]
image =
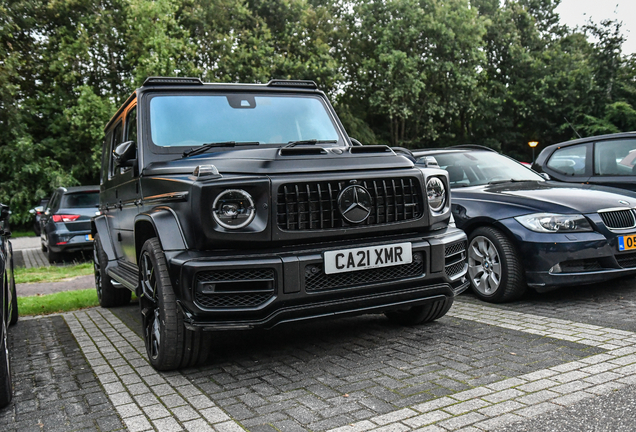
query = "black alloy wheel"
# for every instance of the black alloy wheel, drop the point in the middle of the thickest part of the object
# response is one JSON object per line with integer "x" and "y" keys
{"x": 169, "y": 344}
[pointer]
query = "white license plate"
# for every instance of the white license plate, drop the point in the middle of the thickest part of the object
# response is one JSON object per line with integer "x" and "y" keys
{"x": 370, "y": 257}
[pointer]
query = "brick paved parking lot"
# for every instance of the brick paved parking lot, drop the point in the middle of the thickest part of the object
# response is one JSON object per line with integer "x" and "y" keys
{"x": 542, "y": 361}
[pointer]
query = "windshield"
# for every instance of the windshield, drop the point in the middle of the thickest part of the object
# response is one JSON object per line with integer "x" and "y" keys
{"x": 193, "y": 120}
{"x": 473, "y": 168}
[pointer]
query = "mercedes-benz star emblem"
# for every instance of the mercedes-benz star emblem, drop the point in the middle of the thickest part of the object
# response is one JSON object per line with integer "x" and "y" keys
{"x": 354, "y": 203}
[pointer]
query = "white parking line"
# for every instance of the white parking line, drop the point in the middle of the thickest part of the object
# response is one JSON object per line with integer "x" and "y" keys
{"x": 144, "y": 398}
{"x": 526, "y": 396}
{"x": 149, "y": 400}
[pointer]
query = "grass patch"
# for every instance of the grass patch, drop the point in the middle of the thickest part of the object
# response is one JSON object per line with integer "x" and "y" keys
{"x": 58, "y": 302}
{"x": 52, "y": 274}
{"x": 22, "y": 233}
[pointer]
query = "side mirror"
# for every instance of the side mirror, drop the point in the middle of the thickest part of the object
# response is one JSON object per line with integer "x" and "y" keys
{"x": 428, "y": 162}
{"x": 126, "y": 154}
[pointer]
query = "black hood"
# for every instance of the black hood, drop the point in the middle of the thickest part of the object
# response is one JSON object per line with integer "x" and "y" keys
{"x": 275, "y": 161}
{"x": 519, "y": 198}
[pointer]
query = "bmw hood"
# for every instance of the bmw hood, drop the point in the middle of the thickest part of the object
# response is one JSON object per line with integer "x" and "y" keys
{"x": 550, "y": 197}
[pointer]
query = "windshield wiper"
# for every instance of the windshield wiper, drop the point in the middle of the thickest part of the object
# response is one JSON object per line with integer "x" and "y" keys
{"x": 309, "y": 142}
{"x": 208, "y": 146}
{"x": 508, "y": 181}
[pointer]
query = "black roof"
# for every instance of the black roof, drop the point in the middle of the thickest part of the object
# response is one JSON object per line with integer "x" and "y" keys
{"x": 593, "y": 139}
{"x": 74, "y": 189}
{"x": 193, "y": 83}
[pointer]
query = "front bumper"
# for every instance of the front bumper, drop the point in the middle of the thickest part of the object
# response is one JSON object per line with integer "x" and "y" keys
{"x": 228, "y": 290}
{"x": 555, "y": 260}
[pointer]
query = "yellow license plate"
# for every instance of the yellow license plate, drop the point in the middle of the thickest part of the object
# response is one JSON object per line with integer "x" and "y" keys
{"x": 627, "y": 242}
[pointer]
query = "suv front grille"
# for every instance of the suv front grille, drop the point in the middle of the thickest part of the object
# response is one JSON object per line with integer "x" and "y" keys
{"x": 618, "y": 219}
{"x": 314, "y": 205}
{"x": 226, "y": 289}
{"x": 317, "y": 280}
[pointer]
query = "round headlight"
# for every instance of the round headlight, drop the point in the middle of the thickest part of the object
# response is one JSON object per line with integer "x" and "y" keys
{"x": 233, "y": 209}
{"x": 436, "y": 193}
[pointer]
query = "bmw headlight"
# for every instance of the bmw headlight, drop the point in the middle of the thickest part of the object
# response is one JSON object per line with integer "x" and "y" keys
{"x": 233, "y": 209}
{"x": 436, "y": 193}
{"x": 552, "y": 223}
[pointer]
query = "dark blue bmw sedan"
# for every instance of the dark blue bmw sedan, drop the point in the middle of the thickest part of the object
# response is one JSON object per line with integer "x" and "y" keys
{"x": 524, "y": 231}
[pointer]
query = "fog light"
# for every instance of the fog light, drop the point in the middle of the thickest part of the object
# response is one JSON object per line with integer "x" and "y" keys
{"x": 556, "y": 269}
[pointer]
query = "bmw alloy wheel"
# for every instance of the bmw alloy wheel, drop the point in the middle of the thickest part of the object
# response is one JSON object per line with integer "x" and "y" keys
{"x": 484, "y": 266}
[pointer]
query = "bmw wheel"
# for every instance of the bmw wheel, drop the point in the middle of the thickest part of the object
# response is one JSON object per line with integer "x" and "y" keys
{"x": 494, "y": 269}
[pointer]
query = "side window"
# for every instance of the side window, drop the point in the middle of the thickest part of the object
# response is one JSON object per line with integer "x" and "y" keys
{"x": 569, "y": 160}
{"x": 131, "y": 125}
{"x": 105, "y": 157}
{"x": 117, "y": 139}
{"x": 54, "y": 203}
{"x": 615, "y": 158}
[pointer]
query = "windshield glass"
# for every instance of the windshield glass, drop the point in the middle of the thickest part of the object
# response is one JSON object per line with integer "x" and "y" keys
{"x": 192, "y": 120}
{"x": 80, "y": 199}
{"x": 482, "y": 167}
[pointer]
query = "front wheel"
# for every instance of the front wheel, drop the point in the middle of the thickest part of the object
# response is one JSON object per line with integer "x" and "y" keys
{"x": 169, "y": 344}
{"x": 420, "y": 314}
{"x": 494, "y": 268}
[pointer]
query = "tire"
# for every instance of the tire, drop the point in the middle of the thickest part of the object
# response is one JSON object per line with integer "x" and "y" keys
{"x": 420, "y": 314}
{"x": 6, "y": 388}
{"x": 494, "y": 268}
{"x": 54, "y": 257}
{"x": 169, "y": 344}
{"x": 14, "y": 298}
{"x": 108, "y": 295}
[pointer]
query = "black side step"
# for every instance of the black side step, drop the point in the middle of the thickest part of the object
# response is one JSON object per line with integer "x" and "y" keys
{"x": 126, "y": 274}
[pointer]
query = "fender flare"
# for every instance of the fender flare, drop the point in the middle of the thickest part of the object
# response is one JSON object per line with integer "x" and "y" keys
{"x": 99, "y": 226}
{"x": 163, "y": 223}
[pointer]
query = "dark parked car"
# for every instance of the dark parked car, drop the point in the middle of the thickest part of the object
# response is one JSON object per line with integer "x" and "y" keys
{"x": 244, "y": 206}
{"x": 526, "y": 231}
{"x": 37, "y": 213}
{"x": 8, "y": 305}
{"x": 66, "y": 222}
{"x": 608, "y": 160}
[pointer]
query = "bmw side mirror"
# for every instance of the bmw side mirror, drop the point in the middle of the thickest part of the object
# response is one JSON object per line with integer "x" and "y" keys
{"x": 125, "y": 154}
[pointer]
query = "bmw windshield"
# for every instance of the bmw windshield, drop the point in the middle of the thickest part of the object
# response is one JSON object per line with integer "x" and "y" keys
{"x": 472, "y": 168}
{"x": 195, "y": 120}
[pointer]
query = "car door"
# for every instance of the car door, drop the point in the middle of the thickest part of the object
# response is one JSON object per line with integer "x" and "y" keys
{"x": 572, "y": 164}
{"x": 128, "y": 190}
{"x": 615, "y": 163}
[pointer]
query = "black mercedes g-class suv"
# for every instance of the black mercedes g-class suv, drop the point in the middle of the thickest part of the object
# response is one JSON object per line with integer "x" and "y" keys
{"x": 236, "y": 206}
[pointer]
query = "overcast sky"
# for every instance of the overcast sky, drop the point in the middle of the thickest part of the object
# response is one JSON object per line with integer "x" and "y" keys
{"x": 578, "y": 12}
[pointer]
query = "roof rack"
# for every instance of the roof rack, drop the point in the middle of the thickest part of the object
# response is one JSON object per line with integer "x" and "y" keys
{"x": 473, "y": 146}
{"x": 172, "y": 80}
{"x": 292, "y": 83}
